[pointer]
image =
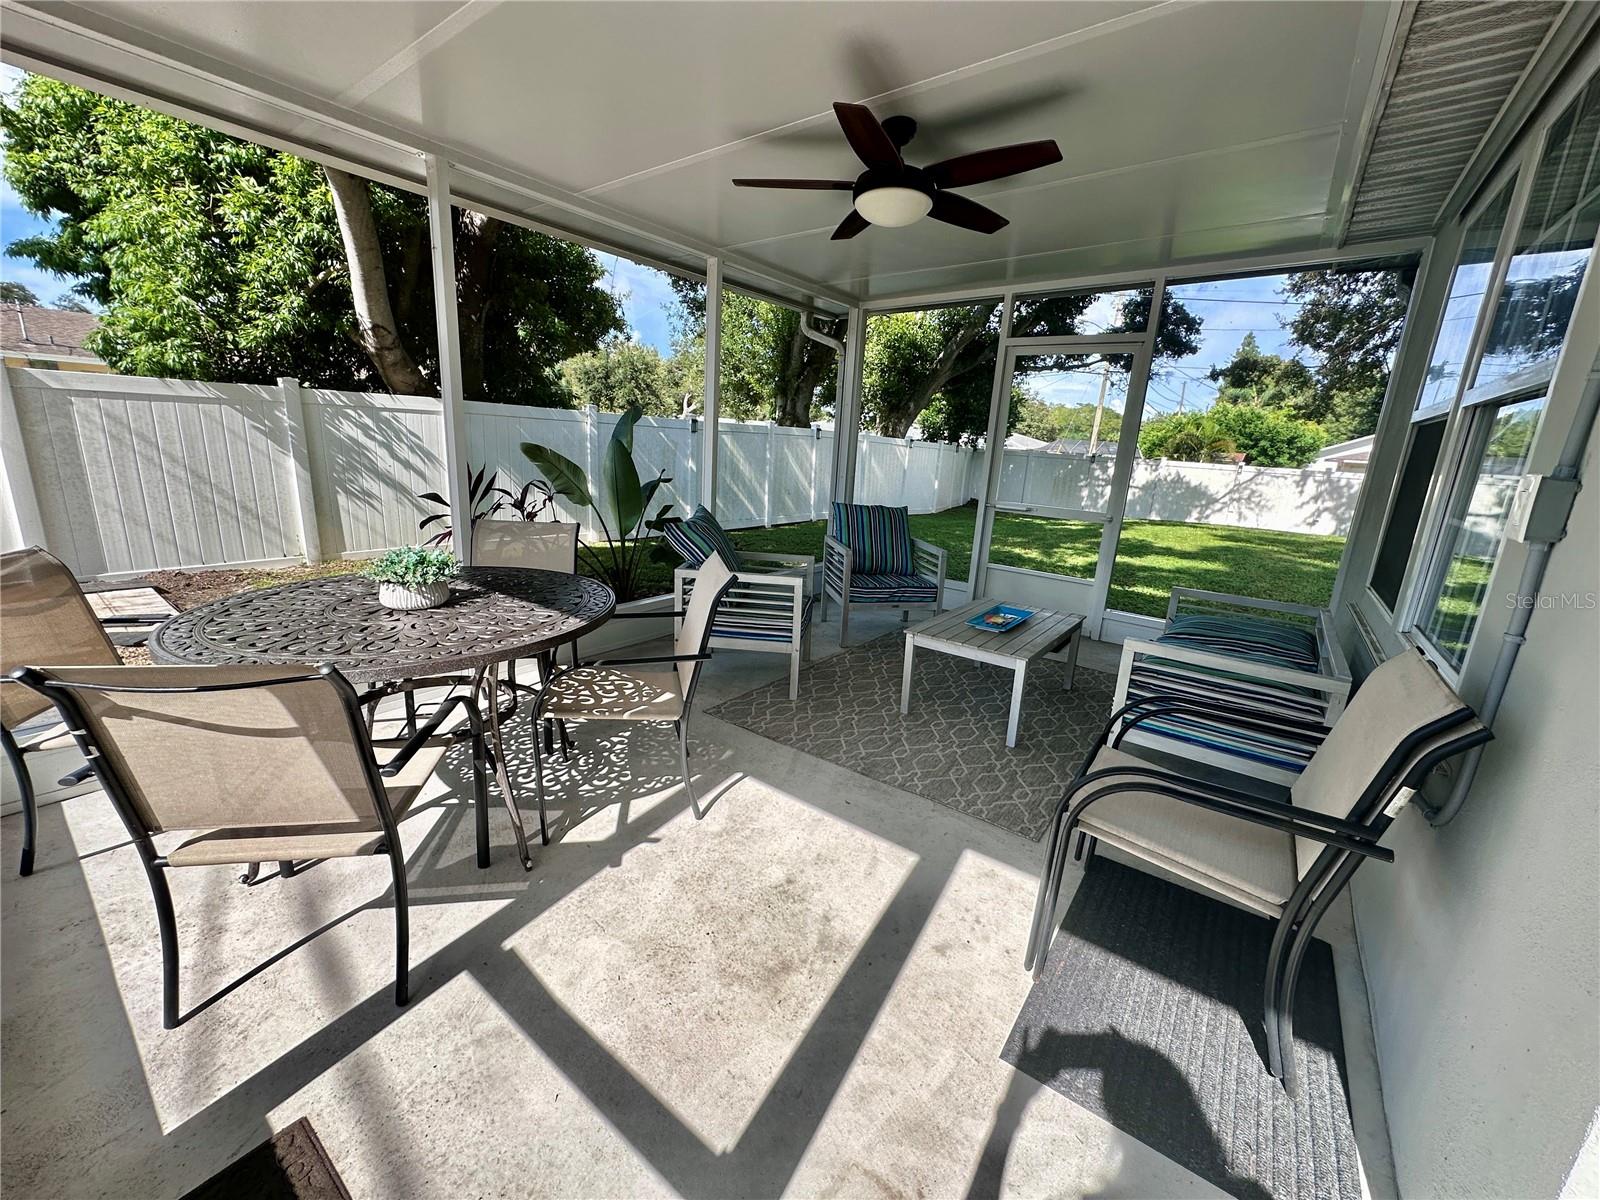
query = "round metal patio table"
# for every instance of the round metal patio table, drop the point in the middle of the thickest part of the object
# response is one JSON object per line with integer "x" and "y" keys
{"x": 494, "y": 615}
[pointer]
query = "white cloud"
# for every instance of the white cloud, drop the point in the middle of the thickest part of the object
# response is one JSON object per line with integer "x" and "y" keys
{"x": 648, "y": 301}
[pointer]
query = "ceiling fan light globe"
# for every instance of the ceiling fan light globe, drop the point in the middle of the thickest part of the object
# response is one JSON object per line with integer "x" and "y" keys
{"x": 893, "y": 206}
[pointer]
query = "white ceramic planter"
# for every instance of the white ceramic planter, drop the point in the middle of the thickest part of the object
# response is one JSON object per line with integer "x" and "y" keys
{"x": 398, "y": 596}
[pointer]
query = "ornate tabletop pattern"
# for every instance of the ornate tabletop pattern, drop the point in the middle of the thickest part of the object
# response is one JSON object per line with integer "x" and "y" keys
{"x": 493, "y": 614}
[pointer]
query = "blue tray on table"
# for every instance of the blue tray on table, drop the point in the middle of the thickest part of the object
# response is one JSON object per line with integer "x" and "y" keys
{"x": 1001, "y": 618}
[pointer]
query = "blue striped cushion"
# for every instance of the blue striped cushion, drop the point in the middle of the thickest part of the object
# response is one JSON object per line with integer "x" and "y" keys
{"x": 732, "y": 624}
{"x": 695, "y": 538}
{"x": 879, "y": 538}
{"x": 1256, "y": 639}
{"x": 891, "y": 589}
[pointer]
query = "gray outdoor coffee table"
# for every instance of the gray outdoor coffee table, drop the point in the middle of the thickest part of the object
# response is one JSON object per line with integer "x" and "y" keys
{"x": 1044, "y": 634}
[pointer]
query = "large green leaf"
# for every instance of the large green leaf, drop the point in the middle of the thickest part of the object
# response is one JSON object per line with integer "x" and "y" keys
{"x": 623, "y": 430}
{"x": 564, "y": 476}
{"x": 621, "y": 483}
{"x": 651, "y": 487}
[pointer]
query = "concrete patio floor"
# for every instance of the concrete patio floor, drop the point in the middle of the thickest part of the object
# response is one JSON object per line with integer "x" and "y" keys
{"x": 805, "y": 993}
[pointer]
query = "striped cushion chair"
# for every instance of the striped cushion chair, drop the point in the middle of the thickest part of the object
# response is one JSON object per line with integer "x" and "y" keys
{"x": 870, "y": 557}
{"x": 768, "y": 606}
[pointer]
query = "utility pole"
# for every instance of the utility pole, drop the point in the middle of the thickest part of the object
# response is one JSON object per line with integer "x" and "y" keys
{"x": 1099, "y": 407}
{"x": 1182, "y": 392}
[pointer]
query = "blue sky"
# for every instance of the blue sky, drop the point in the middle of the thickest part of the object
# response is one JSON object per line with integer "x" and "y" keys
{"x": 647, "y": 299}
{"x": 1228, "y": 309}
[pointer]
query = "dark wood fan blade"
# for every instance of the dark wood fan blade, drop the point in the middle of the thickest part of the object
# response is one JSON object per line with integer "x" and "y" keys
{"x": 969, "y": 214}
{"x": 867, "y": 138}
{"x": 853, "y": 224}
{"x": 967, "y": 169}
{"x": 805, "y": 185}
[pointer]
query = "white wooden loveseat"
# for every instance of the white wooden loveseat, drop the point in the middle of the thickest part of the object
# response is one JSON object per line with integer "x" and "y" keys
{"x": 1278, "y": 658}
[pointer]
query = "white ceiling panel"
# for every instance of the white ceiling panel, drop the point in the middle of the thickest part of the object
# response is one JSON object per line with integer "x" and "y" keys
{"x": 324, "y": 48}
{"x": 1232, "y": 191}
{"x": 1184, "y": 126}
{"x": 587, "y": 94}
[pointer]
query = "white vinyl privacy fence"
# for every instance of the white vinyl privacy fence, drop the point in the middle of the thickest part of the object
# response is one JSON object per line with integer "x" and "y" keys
{"x": 122, "y": 475}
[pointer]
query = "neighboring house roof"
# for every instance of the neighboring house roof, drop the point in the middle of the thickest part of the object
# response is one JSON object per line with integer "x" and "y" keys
{"x": 1355, "y": 450}
{"x": 54, "y": 333}
{"x": 1021, "y": 441}
{"x": 1080, "y": 447}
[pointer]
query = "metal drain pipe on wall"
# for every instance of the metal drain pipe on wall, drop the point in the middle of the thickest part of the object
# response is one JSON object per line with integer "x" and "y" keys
{"x": 1525, "y": 601}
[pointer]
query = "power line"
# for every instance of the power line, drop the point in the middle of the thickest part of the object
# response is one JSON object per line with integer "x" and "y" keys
{"x": 1237, "y": 300}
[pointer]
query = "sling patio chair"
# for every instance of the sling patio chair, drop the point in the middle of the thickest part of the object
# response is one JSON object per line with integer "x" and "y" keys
{"x": 870, "y": 557}
{"x": 535, "y": 545}
{"x": 1286, "y": 857}
{"x": 45, "y": 617}
{"x": 658, "y": 689}
{"x": 256, "y": 763}
{"x": 539, "y": 545}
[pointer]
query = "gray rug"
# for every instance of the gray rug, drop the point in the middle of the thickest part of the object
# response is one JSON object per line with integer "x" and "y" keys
{"x": 952, "y": 748}
{"x": 1149, "y": 1013}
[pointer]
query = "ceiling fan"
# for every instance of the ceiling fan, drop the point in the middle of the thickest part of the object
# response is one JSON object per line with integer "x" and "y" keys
{"x": 893, "y": 192}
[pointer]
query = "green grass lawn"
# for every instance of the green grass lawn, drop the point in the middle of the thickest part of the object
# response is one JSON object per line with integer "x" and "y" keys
{"x": 1154, "y": 557}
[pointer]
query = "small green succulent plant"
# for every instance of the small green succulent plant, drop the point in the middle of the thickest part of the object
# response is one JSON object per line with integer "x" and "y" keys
{"x": 413, "y": 566}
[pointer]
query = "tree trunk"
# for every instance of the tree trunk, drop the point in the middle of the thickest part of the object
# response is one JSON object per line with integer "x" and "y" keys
{"x": 476, "y": 239}
{"x": 794, "y": 390}
{"x": 377, "y": 332}
{"x": 896, "y": 421}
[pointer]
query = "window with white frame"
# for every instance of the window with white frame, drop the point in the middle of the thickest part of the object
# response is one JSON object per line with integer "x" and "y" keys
{"x": 1496, "y": 369}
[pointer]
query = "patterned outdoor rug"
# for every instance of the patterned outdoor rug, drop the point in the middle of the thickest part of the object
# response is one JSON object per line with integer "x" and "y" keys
{"x": 1148, "y": 1013}
{"x": 952, "y": 748}
{"x": 290, "y": 1165}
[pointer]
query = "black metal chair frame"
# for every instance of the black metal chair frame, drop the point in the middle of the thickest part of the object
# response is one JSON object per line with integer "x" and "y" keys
{"x": 1347, "y": 842}
{"x": 63, "y": 695}
{"x": 680, "y": 726}
{"x": 16, "y": 756}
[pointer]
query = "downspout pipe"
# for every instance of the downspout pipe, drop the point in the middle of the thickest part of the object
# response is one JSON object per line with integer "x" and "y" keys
{"x": 834, "y": 344}
{"x": 1524, "y": 603}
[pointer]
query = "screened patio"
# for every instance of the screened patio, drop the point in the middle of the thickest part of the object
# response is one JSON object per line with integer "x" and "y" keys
{"x": 793, "y": 961}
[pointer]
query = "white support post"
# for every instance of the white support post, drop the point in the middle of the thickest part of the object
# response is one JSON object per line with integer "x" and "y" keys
{"x": 303, "y": 492}
{"x": 713, "y": 397}
{"x": 994, "y": 453}
{"x": 442, "y": 236}
{"x": 847, "y": 408}
{"x": 766, "y": 491}
{"x": 591, "y": 458}
{"x": 17, "y": 477}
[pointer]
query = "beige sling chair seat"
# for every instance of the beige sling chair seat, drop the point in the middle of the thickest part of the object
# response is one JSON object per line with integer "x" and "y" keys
{"x": 45, "y": 617}
{"x": 530, "y": 545}
{"x": 1286, "y": 855}
{"x": 651, "y": 689}
{"x": 255, "y": 763}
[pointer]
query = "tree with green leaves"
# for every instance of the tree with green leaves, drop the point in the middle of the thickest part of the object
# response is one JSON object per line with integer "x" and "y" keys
{"x": 1055, "y": 422}
{"x": 1266, "y": 437}
{"x": 948, "y": 354}
{"x": 12, "y": 292}
{"x": 770, "y": 370}
{"x": 621, "y": 376}
{"x": 1351, "y": 320}
{"x": 219, "y": 259}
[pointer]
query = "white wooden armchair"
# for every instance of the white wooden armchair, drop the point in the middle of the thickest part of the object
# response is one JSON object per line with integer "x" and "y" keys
{"x": 869, "y": 557}
{"x": 768, "y": 608}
